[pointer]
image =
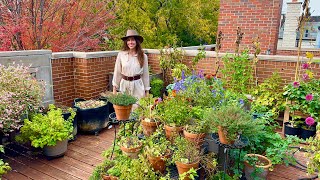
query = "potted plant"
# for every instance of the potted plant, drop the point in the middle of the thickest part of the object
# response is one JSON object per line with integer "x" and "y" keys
{"x": 256, "y": 165}
{"x": 232, "y": 121}
{"x": 186, "y": 157}
{"x": 92, "y": 115}
{"x": 48, "y": 131}
{"x": 308, "y": 129}
{"x": 122, "y": 104}
{"x": 313, "y": 149}
{"x": 175, "y": 113}
{"x": 148, "y": 115}
{"x": 130, "y": 146}
{"x": 198, "y": 127}
{"x": 157, "y": 148}
{"x": 156, "y": 87}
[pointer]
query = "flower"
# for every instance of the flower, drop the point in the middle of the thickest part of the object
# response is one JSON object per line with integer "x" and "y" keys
{"x": 309, "y": 97}
{"x": 309, "y": 121}
{"x": 305, "y": 66}
{"x": 309, "y": 55}
{"x": 296, "y": 84}
{"x": 305, "y": 77}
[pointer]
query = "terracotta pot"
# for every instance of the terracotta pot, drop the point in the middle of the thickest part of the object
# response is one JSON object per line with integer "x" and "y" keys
{"x": 108, "y": 177}
{"x": 171, "y": 132}
{"x": 249, "y": 169}
{"x": 122, "y": 112}
{"x": 198, "y": 139}
{"x": 222, "y": 137}
{"x": 131, "y": 152}
{"x": 182, "y": 168}
{"x": 159, "y": 163}
{"x": 149, "y": 127}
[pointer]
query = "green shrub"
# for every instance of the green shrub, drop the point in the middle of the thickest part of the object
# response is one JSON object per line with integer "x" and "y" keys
{"x": 122, "y": 99}
{"x": 156, "y": 87}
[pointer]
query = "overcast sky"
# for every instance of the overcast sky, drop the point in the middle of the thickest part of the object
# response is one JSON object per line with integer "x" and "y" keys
{"x": 314, "y": 4}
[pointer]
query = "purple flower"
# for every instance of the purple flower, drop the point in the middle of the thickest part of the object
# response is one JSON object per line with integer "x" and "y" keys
{"x": 309, "y": 97}
{"x": 183, "y": 76}
{"x": 241, "y": 101}
{"x": 296, "y": 84}
{"x": 159, "y": 99}
{"x": 309, "y": 121}
{"x": 305, "y": 77}
{"x": 305, "y": 66}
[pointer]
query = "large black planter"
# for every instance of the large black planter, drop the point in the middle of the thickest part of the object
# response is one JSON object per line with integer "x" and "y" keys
{"x": 288, "y": 130}
{"x": 92, "y": 120}
{"x": 305, "y": 133}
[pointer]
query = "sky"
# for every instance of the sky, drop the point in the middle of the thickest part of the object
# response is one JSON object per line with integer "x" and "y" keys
{"x": 314, "y": 4}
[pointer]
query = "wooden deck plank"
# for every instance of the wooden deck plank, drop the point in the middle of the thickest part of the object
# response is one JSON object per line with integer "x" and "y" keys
{"x": 82, "y": 157}
{"x": 25, "y": 170}
{"x": 15, "y": 175}
{"x": 85, "y": 151}
{"x": 78, "y": 164}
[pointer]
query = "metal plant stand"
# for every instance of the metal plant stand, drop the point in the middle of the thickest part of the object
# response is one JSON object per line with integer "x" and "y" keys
{"x": 114, "y": 121}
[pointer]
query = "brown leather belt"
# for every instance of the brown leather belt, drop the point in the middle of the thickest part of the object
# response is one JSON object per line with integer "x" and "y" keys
{"x": 132, "y": 78}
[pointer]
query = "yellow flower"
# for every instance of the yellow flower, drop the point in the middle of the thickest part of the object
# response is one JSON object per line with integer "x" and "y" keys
{"x": 310, "y": 74}
{"x": 309, "y": 55}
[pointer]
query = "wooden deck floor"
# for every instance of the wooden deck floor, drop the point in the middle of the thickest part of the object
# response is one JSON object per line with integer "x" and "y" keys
{"x": 84, "y": 154}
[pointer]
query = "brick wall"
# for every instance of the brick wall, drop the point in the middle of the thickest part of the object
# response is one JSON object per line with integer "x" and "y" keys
{"x": 86, "y": 78}
{"x": 255, "y": 18}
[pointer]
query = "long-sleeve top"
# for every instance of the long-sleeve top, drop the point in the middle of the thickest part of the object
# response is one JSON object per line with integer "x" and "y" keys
{"x": 129, "y": 66}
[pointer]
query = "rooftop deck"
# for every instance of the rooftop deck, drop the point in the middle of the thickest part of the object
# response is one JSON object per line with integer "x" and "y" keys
{"x": 85, "y": 153}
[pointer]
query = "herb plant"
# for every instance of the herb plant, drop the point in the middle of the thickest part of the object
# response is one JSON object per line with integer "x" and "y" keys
{"x": 47, "y": 129}
{"x": 156, "y": 87}
{"x": 185, "y": 152}
{"x": 122, "y": 99}
{"x": 4, "y": 167}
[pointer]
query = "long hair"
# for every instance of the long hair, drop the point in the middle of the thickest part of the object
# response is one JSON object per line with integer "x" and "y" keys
{"x": 138, "y": 50}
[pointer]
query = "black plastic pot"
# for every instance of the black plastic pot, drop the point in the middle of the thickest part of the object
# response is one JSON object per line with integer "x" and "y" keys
{"x": 288, "y": 130}
{"x": 305, "y": 133}
{"x": 92, "y": 120}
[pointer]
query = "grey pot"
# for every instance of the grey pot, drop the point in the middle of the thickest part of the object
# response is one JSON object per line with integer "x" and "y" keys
{"x": 56, "y": 151}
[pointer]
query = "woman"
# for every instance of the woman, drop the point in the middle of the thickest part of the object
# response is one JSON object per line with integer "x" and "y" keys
{"x": 131, "y": 74}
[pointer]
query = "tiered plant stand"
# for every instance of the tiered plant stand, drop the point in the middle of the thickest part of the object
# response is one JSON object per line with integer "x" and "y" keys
{"x": 114, "y": 121}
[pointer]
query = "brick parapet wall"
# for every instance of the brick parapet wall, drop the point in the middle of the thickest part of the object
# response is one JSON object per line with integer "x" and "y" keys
{"x": 294, "y": 52}
{"x": 255, "y": 18}
{"x": 75, "y": 77}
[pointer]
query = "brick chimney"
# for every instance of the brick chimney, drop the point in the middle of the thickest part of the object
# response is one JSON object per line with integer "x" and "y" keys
{"x": 291, "y": 24}
{"x": 255, "y": 18}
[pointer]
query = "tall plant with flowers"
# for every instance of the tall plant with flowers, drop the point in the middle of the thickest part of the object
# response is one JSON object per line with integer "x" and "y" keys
{"x": 304, "y": 94}
{"x": 20, "y": 93}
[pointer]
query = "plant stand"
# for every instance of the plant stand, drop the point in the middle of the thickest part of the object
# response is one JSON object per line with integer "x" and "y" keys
{"x": 224, "y": 155}
{"x": 113, "y": 121}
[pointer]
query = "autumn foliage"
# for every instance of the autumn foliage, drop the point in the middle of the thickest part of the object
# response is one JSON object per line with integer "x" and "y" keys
{"x": 59, "y": 25}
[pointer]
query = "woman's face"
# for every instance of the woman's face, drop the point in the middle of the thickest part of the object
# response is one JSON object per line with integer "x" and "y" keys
{"x": 131, "y": 42}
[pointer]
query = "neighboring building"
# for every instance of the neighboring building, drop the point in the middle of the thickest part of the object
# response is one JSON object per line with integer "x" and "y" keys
{"x": 310, "y": 32}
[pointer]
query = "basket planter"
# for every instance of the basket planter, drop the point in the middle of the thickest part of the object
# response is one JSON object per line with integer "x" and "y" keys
{"x": 198, "y": 139}
{"x": 171, "y": 132}
{"x": 159, "y": 163}
{"x": 149, "y": 127}
{"x": 56, "y": 151}
{"x": 122, "y": 112}
{"x": 250, "y": 169}
{"x": 289, "y": 130}
{"x": 182, "y": 167}
{"x": 131, "y": 152}
{"x": 92, "y": 120}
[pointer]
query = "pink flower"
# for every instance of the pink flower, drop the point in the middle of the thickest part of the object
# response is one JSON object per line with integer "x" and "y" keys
{"x": 305, "y": 66}
{"x": 305, "y": 77}
{"x": 309, "y": 97}
{"x": 309, "y": 121}
{"x": 296, "y": 84}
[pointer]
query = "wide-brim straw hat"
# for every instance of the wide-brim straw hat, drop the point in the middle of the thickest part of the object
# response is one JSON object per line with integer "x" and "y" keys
{"x": 132, "y": 33}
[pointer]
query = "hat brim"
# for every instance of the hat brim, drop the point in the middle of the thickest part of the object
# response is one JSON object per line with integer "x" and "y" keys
{"x": 140, "y": 38}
